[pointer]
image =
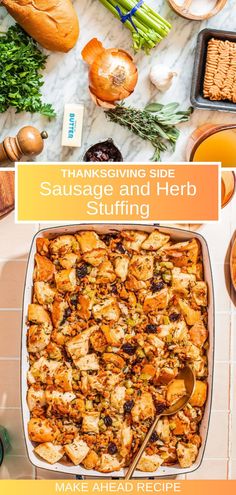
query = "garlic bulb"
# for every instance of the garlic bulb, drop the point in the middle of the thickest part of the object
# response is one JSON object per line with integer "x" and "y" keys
{"x": 162, "y": 77}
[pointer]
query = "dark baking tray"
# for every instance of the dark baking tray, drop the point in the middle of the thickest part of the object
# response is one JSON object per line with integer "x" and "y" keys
{"x": 197, "y": 98}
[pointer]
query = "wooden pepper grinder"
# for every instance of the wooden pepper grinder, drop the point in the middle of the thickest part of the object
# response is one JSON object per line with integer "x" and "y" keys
{"x": 28, "y": 142}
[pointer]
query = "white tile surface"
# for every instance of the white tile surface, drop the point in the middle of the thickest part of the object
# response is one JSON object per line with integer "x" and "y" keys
{"x": 217, "y": 444}
{"x": 221, "y": 396}
{"x": 210, "y": 469}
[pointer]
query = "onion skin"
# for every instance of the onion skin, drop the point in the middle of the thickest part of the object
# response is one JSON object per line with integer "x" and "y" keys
{"x": 112, "y": 75}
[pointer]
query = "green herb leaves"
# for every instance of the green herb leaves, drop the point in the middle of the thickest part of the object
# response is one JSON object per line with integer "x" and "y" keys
{"x": 156, "y": 123}
{"x": 20, "y": 79}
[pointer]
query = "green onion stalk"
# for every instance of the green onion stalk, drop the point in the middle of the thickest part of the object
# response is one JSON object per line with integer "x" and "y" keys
{"x": 151, "y": 28}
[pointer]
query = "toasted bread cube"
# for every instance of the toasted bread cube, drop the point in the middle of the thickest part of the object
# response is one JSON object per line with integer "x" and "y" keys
{"x": 191, "y": 315}
{"x": 149, "y": 463}
{"x": 49, "y": 452}
{"x": 144, "y": 408}
{"x": 180, "y": 280}
{"x": 68, "y": 261}
{"x": 187, "y": 454}
{"x": 126, "y": 438}
{"x": 42, "y": 430}
{"x": 105, "y": 274}
{"x": 91, "y": 422}
{"x": 63, "y": 245}
{"x": 166, "y": 375}
{"x": 154, "y": 302}
{"x": 199, "y": 396}
{"x": 84, "y": 307}
{"x": 35, "y": 398}
{"x": 95, "y": 257}
{"x": 63, "y": 400}
{"x": 77, "y": 451}
{"x": 63, "y": 378}
{"x": 117, "y": 398}
{"x": 44, "y": 293}
{"x": 79, "y": 345}
{"x": 91, "y": 460}
{"x": 163, "y": 429}
{"x": 42, "y": 245}
{"x": 89, "y": 241}
{"x": 58, "y": 312}
{"x": 200, "y": 293}
{"x": 134, "y": 285}
{"x": 133, "y": 239}
{"x": 98, "y": 341}
{"x": 109, "y": 464}
{"x": 42, "y": 371}
{"x": 111, "y": 357}
{"x": 38, "y": 337}
{"x": 122, "y": 267}
{"x": 66, "y": 280}
{"x": 114, "y": 335}
{"x": 181, "y": 427}
{"x": 86, "y": 363}
{"x": 141, "y": 267}
{"x": 175, "y": 391}
{"x": 107, "y": 309}
{"x": 183, "y": 253}
{"x": 44, "y": 269}
{"x": 198, "y": 334}
{"x": 155, "y": 241}
{"x": 37, "y": 314}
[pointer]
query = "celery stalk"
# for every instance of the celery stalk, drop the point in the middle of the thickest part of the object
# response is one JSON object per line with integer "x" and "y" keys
{"x": 151, "y": 28}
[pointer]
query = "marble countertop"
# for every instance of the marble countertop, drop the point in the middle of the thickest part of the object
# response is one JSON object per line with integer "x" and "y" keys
{"x": 66, "y": 81}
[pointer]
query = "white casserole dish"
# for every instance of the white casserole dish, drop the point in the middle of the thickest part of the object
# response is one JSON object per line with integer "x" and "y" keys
{"x": 176, "y": 234}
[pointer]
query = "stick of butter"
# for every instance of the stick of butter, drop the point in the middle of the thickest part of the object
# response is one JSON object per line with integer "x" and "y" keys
{"x": 72, "y": 125}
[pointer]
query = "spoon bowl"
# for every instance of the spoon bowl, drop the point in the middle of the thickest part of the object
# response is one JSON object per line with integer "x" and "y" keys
{"x": 188, "y": 377}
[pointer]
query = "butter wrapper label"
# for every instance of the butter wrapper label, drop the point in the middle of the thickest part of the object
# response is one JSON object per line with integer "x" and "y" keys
{"x": 72, "y": 125}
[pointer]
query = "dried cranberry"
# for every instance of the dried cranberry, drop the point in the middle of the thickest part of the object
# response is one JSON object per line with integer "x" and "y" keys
{"x": 66, "y": 315}
{"x": 107, "y": 421}
{"x": 174, "y": 317}
{"x": 114, "y": 289}
{"x": 157, "y": 286}
{"x": 128, "y": 406}
{"x": 154, "y": 437}
{"x": 151, "y": 329}
{"x": 112, "y": 448}
{"x": 120, "y": 248}
{"x": 160, "y": 408}
{"x": 129, "y": 349}
{"x": 82, "y": 270}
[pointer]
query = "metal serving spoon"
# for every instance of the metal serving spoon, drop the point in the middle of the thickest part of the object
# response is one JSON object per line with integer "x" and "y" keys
{"x": 188, "y": 376}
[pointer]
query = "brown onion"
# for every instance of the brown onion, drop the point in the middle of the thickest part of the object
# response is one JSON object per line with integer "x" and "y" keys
{"x": 113, "y": 74}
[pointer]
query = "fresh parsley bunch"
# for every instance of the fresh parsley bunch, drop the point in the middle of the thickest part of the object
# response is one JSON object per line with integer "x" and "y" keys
{"x": 20, "y": 80}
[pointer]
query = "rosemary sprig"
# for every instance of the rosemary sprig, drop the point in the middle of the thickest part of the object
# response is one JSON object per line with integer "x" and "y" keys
{"x": 156, "y": 123}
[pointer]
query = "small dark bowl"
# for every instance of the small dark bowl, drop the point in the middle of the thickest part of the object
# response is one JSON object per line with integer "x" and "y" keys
{"x": 105, "y": 151}
{"x": 197, "y": 98}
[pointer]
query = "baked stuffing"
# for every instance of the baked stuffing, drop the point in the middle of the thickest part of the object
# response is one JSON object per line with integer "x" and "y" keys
{"x": 113, "y": 320}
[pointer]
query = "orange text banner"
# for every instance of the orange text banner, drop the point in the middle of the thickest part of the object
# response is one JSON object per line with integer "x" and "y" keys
{"x": 109, "y": 487}
{"x": 117, "y": 192}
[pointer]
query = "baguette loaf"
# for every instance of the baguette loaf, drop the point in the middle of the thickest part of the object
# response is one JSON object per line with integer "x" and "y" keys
{"x": 52, "y": 23}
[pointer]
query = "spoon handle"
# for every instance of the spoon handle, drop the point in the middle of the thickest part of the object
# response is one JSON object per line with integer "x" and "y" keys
{"x": 141, "y": 450}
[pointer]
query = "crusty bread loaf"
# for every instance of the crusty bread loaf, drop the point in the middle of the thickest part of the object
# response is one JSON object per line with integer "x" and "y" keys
{"x": 52, "y": 23}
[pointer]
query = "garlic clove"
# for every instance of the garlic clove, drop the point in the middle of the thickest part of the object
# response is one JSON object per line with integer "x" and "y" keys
{"x": 162, "y": 76}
